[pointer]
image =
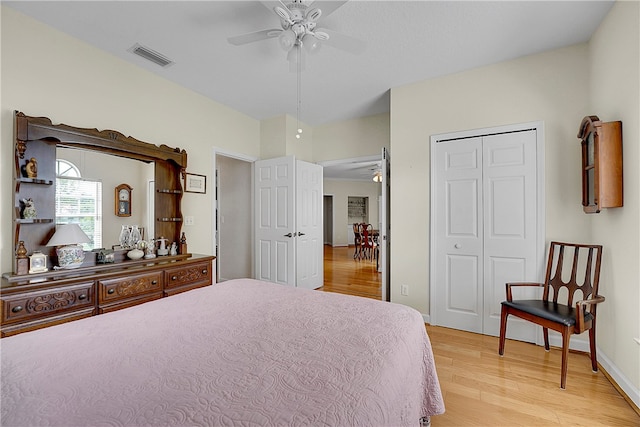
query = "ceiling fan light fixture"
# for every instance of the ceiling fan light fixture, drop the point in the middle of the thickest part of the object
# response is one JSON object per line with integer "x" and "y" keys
{"x": 287, "y": 40}
{"x": 310, "y": 43}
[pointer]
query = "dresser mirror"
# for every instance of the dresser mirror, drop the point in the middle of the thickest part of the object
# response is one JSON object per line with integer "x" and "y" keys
{"x": 89, "y": 169}
{"x": 108, "y": 156}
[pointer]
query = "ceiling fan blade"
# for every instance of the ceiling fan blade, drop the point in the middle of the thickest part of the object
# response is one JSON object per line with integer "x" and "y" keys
{"x": 253, "y": 37}
{"x": 343, "y": 41}
{"x": 326, "y": 7}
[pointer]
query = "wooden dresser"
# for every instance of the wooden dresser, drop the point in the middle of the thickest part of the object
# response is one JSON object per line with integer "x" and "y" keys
{"x": 46, "y": 299}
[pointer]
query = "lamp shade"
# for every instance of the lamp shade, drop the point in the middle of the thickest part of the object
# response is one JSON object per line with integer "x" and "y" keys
{"x": 67, "y": 239}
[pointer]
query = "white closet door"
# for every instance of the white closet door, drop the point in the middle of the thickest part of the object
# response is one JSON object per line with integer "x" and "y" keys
{"x": 458, "y": 233}
{"x": 509, "y": 181}
{"x": 485, "y": 219}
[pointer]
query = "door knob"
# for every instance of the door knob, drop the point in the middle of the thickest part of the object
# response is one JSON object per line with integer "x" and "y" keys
{"x": 288, "y": 235}
{"x": 457, "y": 246}
{"x": 301, "y": 234}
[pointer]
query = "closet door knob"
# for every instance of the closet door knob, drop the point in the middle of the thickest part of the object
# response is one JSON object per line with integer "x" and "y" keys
{"x": 457, "y": 246}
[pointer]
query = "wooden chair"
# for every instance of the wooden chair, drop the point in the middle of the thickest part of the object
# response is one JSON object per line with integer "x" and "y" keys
{"x": 369, "y": 245}
{"x": 357, "y": 240}
{"x": 570, "y": 318}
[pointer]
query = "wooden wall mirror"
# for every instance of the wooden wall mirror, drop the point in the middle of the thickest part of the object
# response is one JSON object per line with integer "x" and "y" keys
{"x": 38, "y": 138}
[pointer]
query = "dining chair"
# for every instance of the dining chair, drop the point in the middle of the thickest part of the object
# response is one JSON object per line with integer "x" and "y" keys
{"x": 556, "y": 309}
{"x": 369, "y": 245}
{"x": 357, "y": 240}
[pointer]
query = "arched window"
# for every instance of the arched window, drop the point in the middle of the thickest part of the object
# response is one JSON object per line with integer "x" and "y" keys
{"x": 79, "y": 201}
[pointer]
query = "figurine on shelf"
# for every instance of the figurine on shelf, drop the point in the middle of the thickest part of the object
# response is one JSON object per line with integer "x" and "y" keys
{"x": 173, "y": 250}
{"x": 30, "y": 169}
{"x": 162, "y": 250}
{"x": 22, "y": 261}
{"x": 183, "y": 244}
{"x": 150, "y": 252}
{"x": 29, "y": 211}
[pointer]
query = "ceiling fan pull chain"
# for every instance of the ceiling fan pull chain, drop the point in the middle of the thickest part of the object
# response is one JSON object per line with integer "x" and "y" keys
{"x": 299, "y": 73}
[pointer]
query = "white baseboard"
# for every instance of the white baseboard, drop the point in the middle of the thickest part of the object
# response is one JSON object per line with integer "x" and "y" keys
{"x": 616, "y": 375}
{"x": 623, "y": 382}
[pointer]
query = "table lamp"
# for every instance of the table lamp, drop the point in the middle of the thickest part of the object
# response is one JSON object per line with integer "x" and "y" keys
{"x": 67, "y": 239}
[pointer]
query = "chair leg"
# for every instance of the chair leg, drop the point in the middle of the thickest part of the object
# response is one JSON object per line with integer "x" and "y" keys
{"x": 566, "y": 335}
{"x": 592, "y": 347}
{"x": 545, "y": 335}
{"x": 503, "y": 330}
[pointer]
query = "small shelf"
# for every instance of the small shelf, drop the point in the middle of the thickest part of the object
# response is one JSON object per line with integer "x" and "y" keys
{"x": 33, "y": 220}
{"x": 172, "y": 219}
{"x": 168, "y": 191}
{"x": 35, "y": 181}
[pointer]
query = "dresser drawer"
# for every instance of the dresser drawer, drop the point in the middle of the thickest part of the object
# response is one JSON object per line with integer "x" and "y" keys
{"x": 129, "y": 287}
{"x": 187, "y": 277}
{"x": 47, "y": 303}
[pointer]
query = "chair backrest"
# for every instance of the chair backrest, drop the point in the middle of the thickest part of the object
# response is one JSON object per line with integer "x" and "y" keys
{"x": 584, "y": 273}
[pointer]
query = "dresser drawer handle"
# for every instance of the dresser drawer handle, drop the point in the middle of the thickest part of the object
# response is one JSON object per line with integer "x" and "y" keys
{"x": 82, "y": 296}
{"x": 17, "y": 309}
{"x": 154, "y": 282}
{"x": 110, "y": 291}
{"x": 174, "y": 277}
{"x": 204, "y": 271}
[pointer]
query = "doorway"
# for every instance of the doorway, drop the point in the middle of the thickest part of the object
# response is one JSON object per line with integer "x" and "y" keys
{"x": 327, "y": 209}
{"x": 358, "y": 197}
{"x": 232, "y": 215}
{"x": 487, "y": 212}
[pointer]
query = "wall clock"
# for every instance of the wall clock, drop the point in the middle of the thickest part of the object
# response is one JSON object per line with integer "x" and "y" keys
{"x": 123, "y": 200}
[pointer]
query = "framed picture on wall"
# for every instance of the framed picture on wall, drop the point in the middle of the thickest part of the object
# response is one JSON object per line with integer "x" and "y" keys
{"x": 195, "y": 183}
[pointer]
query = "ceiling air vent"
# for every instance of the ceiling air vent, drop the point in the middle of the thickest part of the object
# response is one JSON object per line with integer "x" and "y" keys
{"x": 150, "y": 55}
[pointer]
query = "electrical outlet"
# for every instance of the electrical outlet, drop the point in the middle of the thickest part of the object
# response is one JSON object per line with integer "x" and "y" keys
{"x": 188, "y": 220}
{"x": 404, "y": 290}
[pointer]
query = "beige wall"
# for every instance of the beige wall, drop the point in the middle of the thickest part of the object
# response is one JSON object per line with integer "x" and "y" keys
{"x": 614, "y": 88}
{"x": 47, "y": 73}
{"x": 559, "y": 88}
{"x": 341, "y": 190}
{"x": 351, "y": 138}
{"x": 278, "y": 138}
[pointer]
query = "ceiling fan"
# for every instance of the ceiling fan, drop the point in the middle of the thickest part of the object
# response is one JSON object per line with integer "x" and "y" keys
{"x": 298, "y": 30}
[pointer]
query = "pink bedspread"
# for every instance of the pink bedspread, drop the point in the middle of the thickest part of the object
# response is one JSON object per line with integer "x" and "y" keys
{"x": 242, "y": 352}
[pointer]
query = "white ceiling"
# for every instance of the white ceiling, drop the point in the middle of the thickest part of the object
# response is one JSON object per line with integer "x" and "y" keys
{"x": 407, "y": 41}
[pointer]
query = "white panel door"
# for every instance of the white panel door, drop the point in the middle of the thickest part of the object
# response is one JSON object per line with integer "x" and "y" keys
{"x": 458, "y": 233}
{"x": 485, "y": 208}
{"x": 309, "y": 241}
{"x": 509, "y": 180}
{"x": 275, "y": 220}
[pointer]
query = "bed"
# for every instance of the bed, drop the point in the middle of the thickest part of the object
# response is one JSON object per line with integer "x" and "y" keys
{"x": 242, "y": 352}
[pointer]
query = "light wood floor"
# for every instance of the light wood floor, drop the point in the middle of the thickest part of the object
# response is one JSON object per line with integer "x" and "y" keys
{"x": 481, "y": 388}
{"x": 345, "y": 275}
